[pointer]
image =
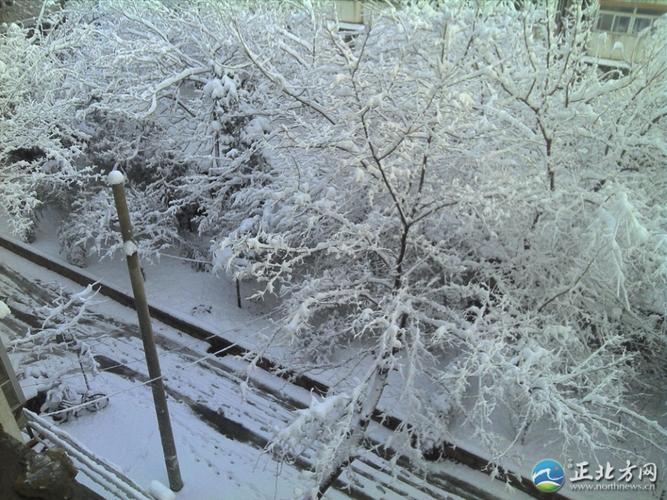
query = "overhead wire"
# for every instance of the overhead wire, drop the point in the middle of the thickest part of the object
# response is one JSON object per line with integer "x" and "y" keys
{"x": 141, "y": 384}
{"x": 102, "y": 340}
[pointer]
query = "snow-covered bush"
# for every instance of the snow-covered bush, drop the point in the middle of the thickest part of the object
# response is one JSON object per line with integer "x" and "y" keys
{"x": 41, "y": 149}
{"x": 59, "y": 329}
{"x": 65, "y": 328}
{"x": 155, "y": 89}
{"x": 174, "y": 108}
{"x": 92, "y": 226}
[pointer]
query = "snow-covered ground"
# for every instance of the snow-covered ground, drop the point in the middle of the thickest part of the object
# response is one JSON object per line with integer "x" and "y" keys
{"x": 213, "y": 465}
{"x": 126, "y": 433}
{"x": 218, "y": 459}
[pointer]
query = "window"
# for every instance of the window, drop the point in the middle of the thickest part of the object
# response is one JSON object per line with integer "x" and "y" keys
{"x": 621, "y": 24}
{"x": 641, "y": 23}
{"x": 626, "y": 20}
{"x": 605, "y": 21}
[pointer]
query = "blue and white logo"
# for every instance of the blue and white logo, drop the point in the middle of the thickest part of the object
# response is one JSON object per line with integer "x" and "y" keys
{"x": 548, "y": 475}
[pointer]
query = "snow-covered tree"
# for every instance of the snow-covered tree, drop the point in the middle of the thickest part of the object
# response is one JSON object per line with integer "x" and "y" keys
{"x": 435, "y": 202}
{"x": 154, "y": 89}
{"x": 454, "y": 205}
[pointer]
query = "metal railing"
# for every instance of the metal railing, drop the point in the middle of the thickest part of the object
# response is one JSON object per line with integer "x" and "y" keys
{"x": 98, "y": 470}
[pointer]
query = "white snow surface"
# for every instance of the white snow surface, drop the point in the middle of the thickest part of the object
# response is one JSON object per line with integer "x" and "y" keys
{"x": 130, "y": 248}
{"x": 201, "y": 452}
{"x": 125, "y": 433}
{"x": 160, "y": 491}
{"x": 115, "y": 177}
{"x": 4, "y": 310}
{"x": 214, "y": 88}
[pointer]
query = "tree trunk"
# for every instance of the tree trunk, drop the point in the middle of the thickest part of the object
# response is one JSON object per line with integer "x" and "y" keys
{"x": 365, "y": 408}
{"x": 348, "y": 450}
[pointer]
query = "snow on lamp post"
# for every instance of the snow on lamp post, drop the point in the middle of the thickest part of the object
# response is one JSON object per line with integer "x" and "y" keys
{"x": 116, "y": 179}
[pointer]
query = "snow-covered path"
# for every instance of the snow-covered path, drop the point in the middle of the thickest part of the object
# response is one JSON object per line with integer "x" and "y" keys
{"x": 215, "y": 465}
{"x": 220, "y": 426}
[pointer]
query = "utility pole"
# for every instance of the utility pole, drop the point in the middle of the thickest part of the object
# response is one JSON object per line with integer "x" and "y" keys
{"x": 116, "y": 179}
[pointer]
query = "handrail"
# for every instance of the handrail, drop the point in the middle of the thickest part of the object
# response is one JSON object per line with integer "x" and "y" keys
{"x": 96, "y": 468}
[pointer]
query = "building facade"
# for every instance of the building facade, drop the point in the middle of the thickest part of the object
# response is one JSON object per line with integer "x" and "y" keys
{"x": 619, "y": 39}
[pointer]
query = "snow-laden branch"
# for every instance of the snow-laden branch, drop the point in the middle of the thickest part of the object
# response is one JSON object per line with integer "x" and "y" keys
{"x": 170, "y": 82}
{"x": 280, "y": 80}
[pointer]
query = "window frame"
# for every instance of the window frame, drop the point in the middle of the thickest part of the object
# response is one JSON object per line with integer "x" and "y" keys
{"x": 617, "y": 18}
{"x": 633, "y": 14}
{"x": 599, "y": 20}
{"x": 650, "y": 20}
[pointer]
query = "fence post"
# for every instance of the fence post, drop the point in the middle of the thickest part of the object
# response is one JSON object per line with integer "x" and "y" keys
{"x": 116, "y": 179}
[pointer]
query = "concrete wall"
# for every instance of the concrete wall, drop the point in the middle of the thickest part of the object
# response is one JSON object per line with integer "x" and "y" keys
{"x": 7, "y": 420}
{"x": 350, "y": 11}
{"x": 11, "y": 395}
